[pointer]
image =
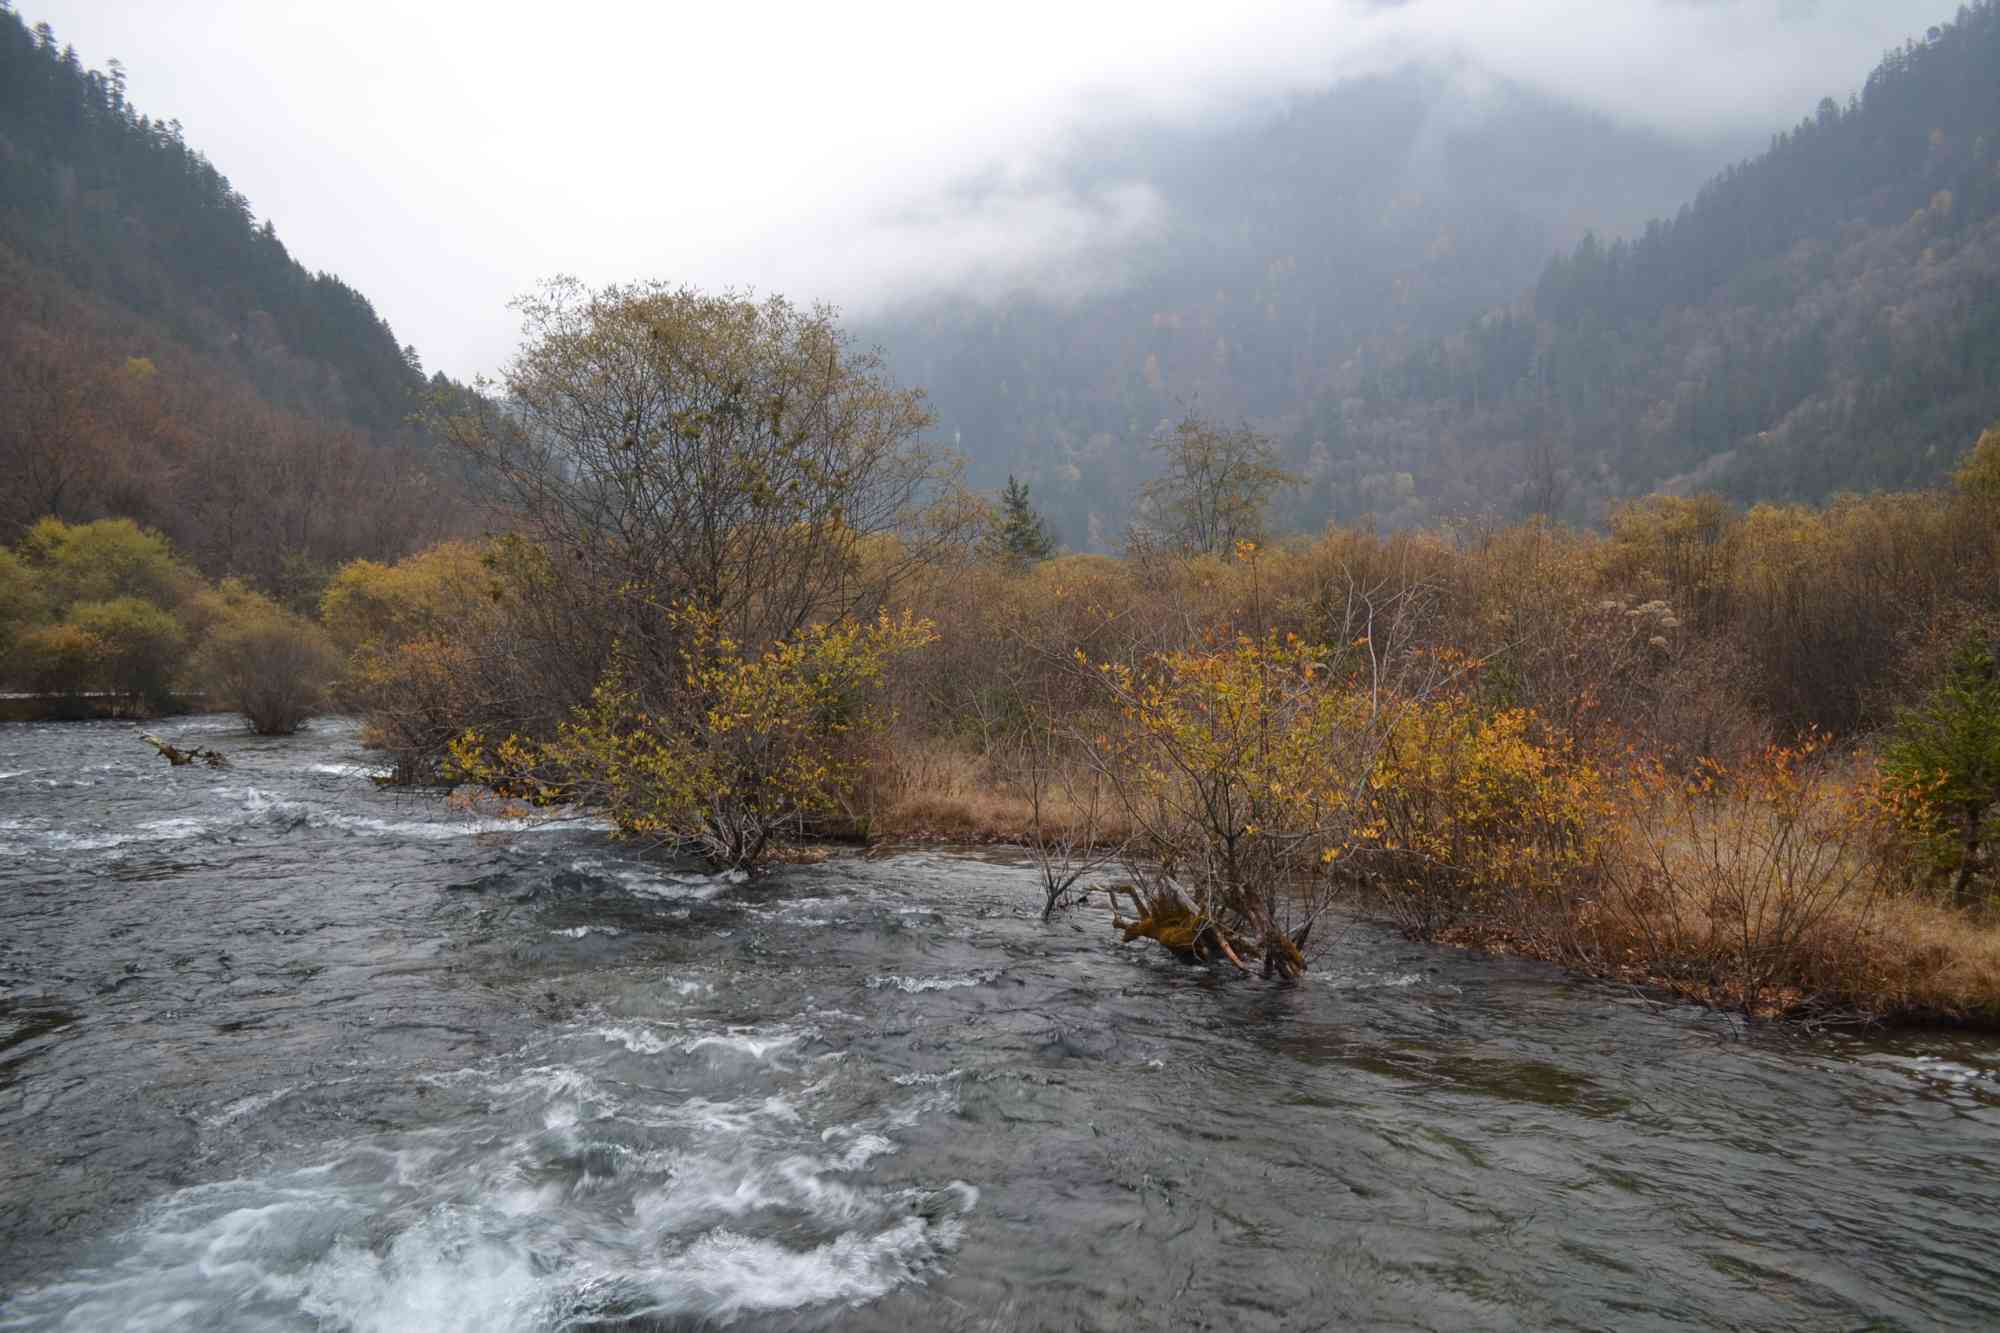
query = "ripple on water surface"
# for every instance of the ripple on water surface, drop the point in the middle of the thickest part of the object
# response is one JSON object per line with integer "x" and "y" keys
{"x": 281, "y": 1050}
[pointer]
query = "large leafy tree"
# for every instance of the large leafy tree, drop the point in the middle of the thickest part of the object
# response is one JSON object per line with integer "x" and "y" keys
{"x": 709, "y": 500}
{"x": 1217, "y": 487}
{"x": 665, "y": 447}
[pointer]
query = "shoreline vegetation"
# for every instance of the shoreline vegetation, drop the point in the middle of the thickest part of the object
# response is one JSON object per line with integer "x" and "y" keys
{"x": 739, "y": 606}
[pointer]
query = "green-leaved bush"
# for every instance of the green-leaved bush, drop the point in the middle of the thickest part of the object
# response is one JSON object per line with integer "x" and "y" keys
{"x": 1942, "y": 768}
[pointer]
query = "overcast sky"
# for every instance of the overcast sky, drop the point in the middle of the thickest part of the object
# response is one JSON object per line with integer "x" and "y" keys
{"x": 442, "y": 155}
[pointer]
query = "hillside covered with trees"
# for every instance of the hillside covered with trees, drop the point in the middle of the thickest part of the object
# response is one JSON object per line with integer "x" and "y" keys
{"x": 1824, "y": 317}
{"x": 1820, "y": 317}
{"x": 1387, "y": 208}
{"x": 164, "y": 358}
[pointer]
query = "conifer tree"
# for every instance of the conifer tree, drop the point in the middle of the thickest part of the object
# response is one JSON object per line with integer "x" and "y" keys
{"x": 1021, "y": 538}
{"x": 1946, "y": 760}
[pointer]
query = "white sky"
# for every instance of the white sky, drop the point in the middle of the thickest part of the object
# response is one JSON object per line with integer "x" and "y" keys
{"x": 443, "y": 155}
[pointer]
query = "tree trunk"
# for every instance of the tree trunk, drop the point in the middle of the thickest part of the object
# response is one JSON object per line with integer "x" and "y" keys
{"x": 1968, "y": 863}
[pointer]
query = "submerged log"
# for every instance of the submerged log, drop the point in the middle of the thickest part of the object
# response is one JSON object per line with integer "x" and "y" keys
{"x": 177, "y": 757}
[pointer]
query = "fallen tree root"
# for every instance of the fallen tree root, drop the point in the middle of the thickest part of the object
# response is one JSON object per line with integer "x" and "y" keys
{"x": 178, "y": 757}
{"x": 1167, "y": 915}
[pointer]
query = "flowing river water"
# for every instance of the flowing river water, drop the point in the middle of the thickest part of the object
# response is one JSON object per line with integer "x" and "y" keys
{"x": 279, "y": 1050}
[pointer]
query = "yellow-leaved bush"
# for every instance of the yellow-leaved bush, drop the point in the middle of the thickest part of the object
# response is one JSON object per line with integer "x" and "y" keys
{"x": 1468, "y": 813}
{"x": 417, "y": 635}
{"x": 1234, "y": 765}
{"x": 755, "y": 745}
{"x": 270, "y": 665}
{"x": 1259, "y": 776}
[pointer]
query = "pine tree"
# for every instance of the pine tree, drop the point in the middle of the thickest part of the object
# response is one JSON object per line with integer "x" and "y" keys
{"x": 1021, "y": 537}
{"x": 1946, "y": 759}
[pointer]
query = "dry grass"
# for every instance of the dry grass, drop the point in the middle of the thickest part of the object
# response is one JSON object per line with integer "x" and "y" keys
{"x": 1901, "y": 959}
{"x": 1783, "y": 893}
{"x": 1924, "y": 961}
{"x": 927, "y": 789}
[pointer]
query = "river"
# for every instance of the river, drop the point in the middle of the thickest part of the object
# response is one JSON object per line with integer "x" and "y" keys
{"x": 280, "y": 1050}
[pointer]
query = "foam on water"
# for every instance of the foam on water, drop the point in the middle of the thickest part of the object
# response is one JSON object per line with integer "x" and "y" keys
{"x": 924, "y": 1080}
{"x": 257, "y": 811}
{"x": 650, "y": 883}
{"x": 349, "y": 771}
{"x": 569, "y": 1208}
{"x": 245, "y": 1106}
{"x": 917, "y": 985}
{"x": 758, "y": 1043}
{"x": 725, "y": 1274}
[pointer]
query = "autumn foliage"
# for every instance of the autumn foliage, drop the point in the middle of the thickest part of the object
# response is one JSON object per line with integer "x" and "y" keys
{"x": 754, "y": 744}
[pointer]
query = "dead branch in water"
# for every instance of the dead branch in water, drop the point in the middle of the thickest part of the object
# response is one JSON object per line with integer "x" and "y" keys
{"x": 177, "y": 757}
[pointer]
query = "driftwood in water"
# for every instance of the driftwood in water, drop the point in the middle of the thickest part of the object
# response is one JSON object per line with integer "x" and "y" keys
{"x": 178, "y": 757}
{"x": 1169, "y": 917}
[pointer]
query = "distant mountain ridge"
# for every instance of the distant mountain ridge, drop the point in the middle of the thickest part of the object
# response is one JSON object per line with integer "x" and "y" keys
{"x": 1823, "y": 317}
{"x": 1384, "y": 304}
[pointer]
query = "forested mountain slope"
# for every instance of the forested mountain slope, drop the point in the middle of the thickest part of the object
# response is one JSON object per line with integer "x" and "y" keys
{"x": 1384, "y": 210}
{"x": 1825, "y": 317}
{"x": 1357, "y": 277}
{"x": 163, "y": 357}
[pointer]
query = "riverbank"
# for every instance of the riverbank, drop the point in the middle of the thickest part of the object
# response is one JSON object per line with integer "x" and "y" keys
{"x": 94, "y": 707}
{"x": 1719, "y": 907}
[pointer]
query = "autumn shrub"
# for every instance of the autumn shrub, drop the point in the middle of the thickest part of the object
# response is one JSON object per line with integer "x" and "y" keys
{"x": 1240, "y": 769}
{"x": 1351, "y": 578}
{"x": 756, "y": 744}
{"x": 1678, "y": 549}
{"x": 118, "y": 587}
{"x": 142, "y": 648}
{"x": 1824, "y": 597}
{"x": 1007, "y": 641}
{"x": 61, "y": 661}
{"x": 268, "y": 664}
{"x": 430, "y": 592}
{"x": 21, "y": 607}
{"x": 21, "y": 598}
{"x": 1758, "y": 886}
{"x": 104, "y": 561}
{"x": 1468, "y": 816}
{"x": 453, "y": 637}
{"x": 1977, "y": 477}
